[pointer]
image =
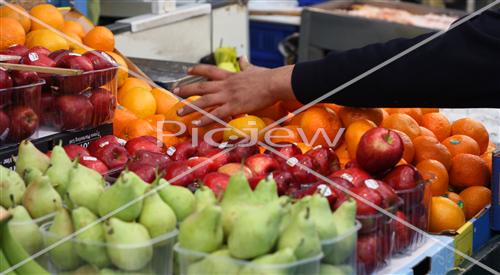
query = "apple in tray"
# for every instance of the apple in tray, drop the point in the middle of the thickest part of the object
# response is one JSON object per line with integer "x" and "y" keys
{"x": 94, "y": 163}
{"x": 73, "y": 84}
{"x": 102, "y": 63}
{"x": 30, "y": 95}
{"x": 113, "y": 155}
{"x": 6, "y": 82}
{"x": 23, "y": 123}
{"x": 75, "y": 151}
{"x": 36, "y": 59}
{"x": 179, "y": 173}
{"x": 4, "y": 125}
{"x": 104, "y": 105}
{"x": 73, "y": 112}
{"x": 145, "y": 143}
{"x": 217, "y": 182}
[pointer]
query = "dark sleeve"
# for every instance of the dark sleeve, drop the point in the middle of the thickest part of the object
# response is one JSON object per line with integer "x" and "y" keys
{"x": 459, "y": 69}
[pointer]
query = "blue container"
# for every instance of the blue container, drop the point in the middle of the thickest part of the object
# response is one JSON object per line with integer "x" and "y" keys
{"x": 495, "y": 190}
{"x": 310, "y": 2}
{"x": 80, "y": 5}
{"x": 264, "y": 40}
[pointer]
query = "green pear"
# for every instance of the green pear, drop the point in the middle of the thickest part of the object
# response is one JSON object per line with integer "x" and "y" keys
{"x": 127, "y": 188}
{"x": 238, "y": 190}
{"x": 293, "y": 210}
{"x": 40, "y": 198}
{"x": 255, "y": 233}
{"x": 86, "y": 270}
{"x": 263, "y": 264}
{"x": 90, "y": 243}
{"x": 266, "y": 191}
{"x": 179, "y": 198}
{"x": 25, "y": 230}
{"x": 344, "y": 219}
{"x": 12, "y": 188}
{"x": 59, "y": 169}
{"x": 30, "y": 174}
{"x": 301, "y": 236}
{"x": 326, "y": 269}
{"x": 128, "y": 244}
{"x": 63, "y": 256}
{"x": 202, "y": 231}
{"x": 30, "y": 156}
{"x": 84, "y": 187}
{"x": 218, "y": 262}
{"x": 204, "y": 196}
{"x": 157, "y": 216}
{"x": 321, "y": 215}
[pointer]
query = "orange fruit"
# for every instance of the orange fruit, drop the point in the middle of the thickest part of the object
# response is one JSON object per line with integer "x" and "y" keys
{"x": 249, "y": 125}
{"x": 139, "y": 101}
{"x": 437, "y": 175}
{"x": 415, "y": 113}
{"x": 303, "y": 147}
{"x": 454, "y": 197}
{"x": 350, "y": 114}
{"x": 291, "y": 105}
{"x": 430, "y": 148}
{"x": 317, "y": 122}
{"x": 343, "y": 154}
{"x": 354, "y": 133}
{"x": 154, "y": 120}
{"x": 409, "y": 149}
{"x": 213, "y": 131}
{"x": 385, "y": 114}
{"x": 284, "y": 134}
{"x": 488, "y": 158}
{"x": 12, "y": 33}
{"x": 268, "y": 121}
{"x": 171, "y": 115}
{"x": 275, "y": 111}
{"x": 403, "y": 123}
{"x": 468, "y": 170}
{"x": 429, "y": 110}
{"x": 48, "y": 39}
{"x": 121, "y": 119}
{"x": 130, "y": 83}
{"x": 100, "y": 38}
{"x": 438, "y": 124}
{"x": 169, "y": 139}
{"x": 475, "y": 198}
{"x": 164, "y": 100}
{"x": 473, "y": 129}
{"x": 73, "y": 27}
{"x": 461, "y": 144}
{"x": 17, "y": 13}
{"x": 75, "y": 42}
{"x": 444, "y": 214}
{"x": 334, "y": 107}
{"x": 426, "y": 132}
{"x": 138, "y": 128}
{"x": 122, "y": 73}
{"x": 48, "y": 14}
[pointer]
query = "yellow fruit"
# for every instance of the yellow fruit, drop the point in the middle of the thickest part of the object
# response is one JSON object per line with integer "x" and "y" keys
{"x": 47, "y": 39}
{"x": 164, "y": 100}
{"x": 74, "y": 27}
{"x": 15, "y": 34}
{"x": 250, "y": 125}
{"x": 139, "y": 101}
{"x": 445, "y": 214}
{"x": 18, "y": 13}
{"x": 75, "y": 43}
{"x": 131, "y": 83}
{"x": 122, "y": 70}
{"x": 48, "y": 14}
{"x": 100, "y": 38}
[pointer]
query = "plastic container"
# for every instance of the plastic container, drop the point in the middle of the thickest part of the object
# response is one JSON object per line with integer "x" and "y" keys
{"x": 188, "y": 258}
{"x": 81, "y": 101}
{"x": 17, "y": 103}
{"x": 375, "y": 240}
{"x": 341, "y": 250}
{"x": 264, "y": 40}
{"x": 415, "y": 210}
{"x": 161, "y": 261}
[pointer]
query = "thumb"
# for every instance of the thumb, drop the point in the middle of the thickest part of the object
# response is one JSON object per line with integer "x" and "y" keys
{"x": 244, "y": 63}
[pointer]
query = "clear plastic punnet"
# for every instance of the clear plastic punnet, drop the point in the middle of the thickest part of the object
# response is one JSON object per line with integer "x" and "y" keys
{"x": 341, "y": 250}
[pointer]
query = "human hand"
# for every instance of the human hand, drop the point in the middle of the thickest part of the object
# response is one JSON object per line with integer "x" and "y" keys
{"x": 254, "y": 88}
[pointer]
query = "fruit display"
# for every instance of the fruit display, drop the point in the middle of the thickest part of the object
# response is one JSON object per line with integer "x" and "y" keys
{"x": 257, "y": 231}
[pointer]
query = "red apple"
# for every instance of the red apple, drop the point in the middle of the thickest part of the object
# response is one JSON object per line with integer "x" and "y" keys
{"x": 367, "y": 249}
{"x": 204, "y": 148}
{"x": 113, "y": 155}
{"x": 101, "y": 61}
{"x": 354, "y": 175}
{"x": 57, "y": 55}
{"x": 341, "y": 196}
{"x": 232, "y": 168}
{"x": 327, "y": 160}
{"x": 75, "y": 151}
{"x": 23, "y": 123}
{"x": 403, "y": 235}
{"x": 182, "y": 151}
{"x": 403, "y": 177}
{"x": 21, "y": 78}
{"x": 324, "y": 190}
{"x": 241, "y": 153}
{"x": 77, "y": 83}
{"x": 352, "y": 164}
{"x": 262, "y": 164}
{"x": 255, "y": 180}
{"x": 284, "y": 180}
{"x": 387, "y": 193}
{"x": 219, "y": 156}
{"x": 5, "y": 79}
{"x": 28, "y": 96}
{"x": 146, "y": 172}
{"x": 295, "y": 167}
{"x": 94, "y": 163}
{"x": 379, "y": 149}
{"x": 39, "y": 50}
{"x": 157, "y": 160}
{"x": 285, "y": 151}
{"x": 104, "y": 103}
{"x": 369, "y": 195}
{"x": 18, "y": 50}
{"x": 201, "y": 166}
{"x": 39, "y": 60}
{"x": 47, "y": 112}
{"x": 73, "y": 112}
{"x": 4, "y": 124}
{"x": 217, "y": 182}
{"x": 9, "y": 52}
{"x": 142, "y": 143}
{"x": 99, "y": 143}
{"x": 179, "y": 173}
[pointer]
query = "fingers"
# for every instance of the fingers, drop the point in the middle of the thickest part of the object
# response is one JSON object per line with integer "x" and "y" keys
{"x": 220, "y": 112}
{"x": 244, "y": 63}
{"x": 202, "y": 103}
{"x": 199, "y": 88}
{"x": 209, "y": 71}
